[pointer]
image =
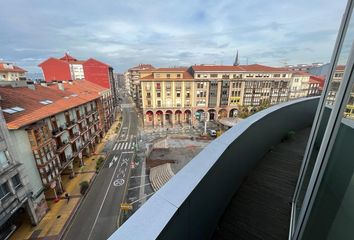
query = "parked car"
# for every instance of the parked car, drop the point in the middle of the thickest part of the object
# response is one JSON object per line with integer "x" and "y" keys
{"x": 212, "y": 132}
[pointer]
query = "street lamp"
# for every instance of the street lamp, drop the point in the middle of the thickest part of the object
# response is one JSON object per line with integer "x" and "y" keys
{"x": 206, "y": 119}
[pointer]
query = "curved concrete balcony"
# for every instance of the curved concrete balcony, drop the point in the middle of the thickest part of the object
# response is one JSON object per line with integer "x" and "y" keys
{"x": 191, "y": 204}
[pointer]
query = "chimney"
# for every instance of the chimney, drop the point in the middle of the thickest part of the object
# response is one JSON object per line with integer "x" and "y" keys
{"x": 71, "y": 82}
{"x": 60, "y": 85}
{"x": 30, "y": 85}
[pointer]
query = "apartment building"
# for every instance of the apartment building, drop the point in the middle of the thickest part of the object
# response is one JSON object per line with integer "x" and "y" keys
{"x": 336, "y": 80}
{"x": 133, "y": 81}
{"x": 69, "y": 68}
{"x": 18, "y": 201}
{"x": 11, "y": 72}
{"x": 187, "y": 95}
{"x": 54, "y": 125}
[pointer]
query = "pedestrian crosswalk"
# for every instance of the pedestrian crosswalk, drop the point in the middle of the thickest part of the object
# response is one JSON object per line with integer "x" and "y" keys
{"x": 125, "y": 145}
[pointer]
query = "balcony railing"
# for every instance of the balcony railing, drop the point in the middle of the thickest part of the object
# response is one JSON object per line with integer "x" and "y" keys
{"x": 190, "y": 205}
{"x": 58, "y": 131}
{"x": 62, "y": 146}
{"x": 70, "y": 124}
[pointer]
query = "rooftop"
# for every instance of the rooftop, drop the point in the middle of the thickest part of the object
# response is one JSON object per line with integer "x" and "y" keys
{"x": 8, "y": 67}
{"x": 35, "y": 105}
{"x": 239, "y": 68}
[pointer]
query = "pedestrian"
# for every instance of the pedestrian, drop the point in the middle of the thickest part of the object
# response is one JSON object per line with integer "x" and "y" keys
{"x": 67, "y": 196}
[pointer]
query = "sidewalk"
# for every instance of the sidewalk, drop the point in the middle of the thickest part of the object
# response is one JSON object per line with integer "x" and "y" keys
{"x": 55, "y": 221}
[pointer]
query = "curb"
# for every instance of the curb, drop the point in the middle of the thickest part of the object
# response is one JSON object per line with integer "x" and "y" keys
{"x": 72, "y": 214}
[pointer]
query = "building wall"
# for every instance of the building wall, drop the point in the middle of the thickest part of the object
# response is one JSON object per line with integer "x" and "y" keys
{"x": 54, "y": 69}
{"x": 77, "y": 71}
{"x": 11, "y": 76}
{"x": 97, "y": 73}
{"x": 23, "y": 147}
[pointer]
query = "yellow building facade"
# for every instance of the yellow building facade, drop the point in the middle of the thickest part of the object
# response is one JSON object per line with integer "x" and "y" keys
{"x": 173, "y": 96}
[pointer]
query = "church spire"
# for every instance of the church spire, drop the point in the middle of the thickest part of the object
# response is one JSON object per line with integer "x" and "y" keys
{"x": 237, "y": 61}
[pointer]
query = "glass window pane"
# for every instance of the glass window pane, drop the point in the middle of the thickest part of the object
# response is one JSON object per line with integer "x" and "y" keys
{"x": 332, "y": 214}
{"x": 334, "y": 83}
{"x": 4, "y": 162}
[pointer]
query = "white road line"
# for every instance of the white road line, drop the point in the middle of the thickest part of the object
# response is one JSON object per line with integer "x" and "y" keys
{"x": 118, "y": 146}
{"x": 115, "y": 146}
{"x": 142, "y": 198}
{"x": 125, "y": 145}
{"x": 138, "y": 186}
{"x": 129, "y": 144}
{"x": 139, "y": 176}
{"x": 104, "y": 198}
{"x": 110, "y": 164}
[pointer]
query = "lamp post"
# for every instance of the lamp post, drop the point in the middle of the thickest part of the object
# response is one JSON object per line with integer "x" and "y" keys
{"x": 206, "y": 119}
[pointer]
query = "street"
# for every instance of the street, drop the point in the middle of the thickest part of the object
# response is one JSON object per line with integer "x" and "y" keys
{"x": 97, "y": 217}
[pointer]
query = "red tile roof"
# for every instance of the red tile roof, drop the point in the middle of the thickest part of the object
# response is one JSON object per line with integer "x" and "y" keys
{"x": 30, "y": 100}
{"x": 68, "y": 58}
{"x": 240, "y": 68}
{"x": 317, "y": 79}
{"x": 142, "y": 67}
{"x": 179, "y": 69}
{"x": 340, "y": 67}
{"x": 185, "y": 75}
{"x": 14, "y": 69}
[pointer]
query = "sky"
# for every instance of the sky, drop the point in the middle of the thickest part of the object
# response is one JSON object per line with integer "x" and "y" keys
{"x": 169, "y": 33}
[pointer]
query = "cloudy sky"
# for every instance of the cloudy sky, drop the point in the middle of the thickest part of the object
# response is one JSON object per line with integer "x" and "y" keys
{"x": 169, "y": 33}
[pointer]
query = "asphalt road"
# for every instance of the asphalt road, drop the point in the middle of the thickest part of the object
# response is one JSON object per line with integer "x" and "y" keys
{"x": 98, "y": 214}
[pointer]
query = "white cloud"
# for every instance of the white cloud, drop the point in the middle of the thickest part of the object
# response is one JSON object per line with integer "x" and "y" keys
{"x": 165, "y": 33}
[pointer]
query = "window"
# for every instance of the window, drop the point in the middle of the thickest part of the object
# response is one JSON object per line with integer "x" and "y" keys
{"x": 284, "y": 75}
{"x": 148, "y": 95}
{"x": 4, "y": 161}
{"x": 158, "y": 85}
{"x": 178, "y": 75}
{"x": 198, "y": 75}
{"x": 296, "y": 80}
{"x": 159, "y": 103}
{"x": 16, "y": 181}
{"x": 158, "y": 94}
{"x": 168, "y": 75}
{"x": 178, "y": 94}
{"x": 188, "y": 95}
{"x": 276, "y": 75}
{"x": 4, "y": 191}
{"x": 213, "y": 75}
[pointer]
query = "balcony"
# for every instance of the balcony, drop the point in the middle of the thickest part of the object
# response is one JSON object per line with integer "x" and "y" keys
{"x": 62, "y": 146}
{"x": 74, "y": 137}
{"x": 192, "y": 203}
{"x": 70, "y": 124}
{"x": 58, "y": 131}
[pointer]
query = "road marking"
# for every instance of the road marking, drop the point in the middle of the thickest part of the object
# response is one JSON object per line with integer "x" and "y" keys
{"x": 138, "y": 186}
{"x": 139, "y": 176}
{"x": 118, "y": 182}
{"x": 129, "y": 144}
{"x": 114, "y": 148}
{"x": 142, "y": 198}
{"x": 110, "y": 164}
{"x": 118, "y": 145}
{"x": 104, "y": 198}
{"x": 125, "y": 145}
